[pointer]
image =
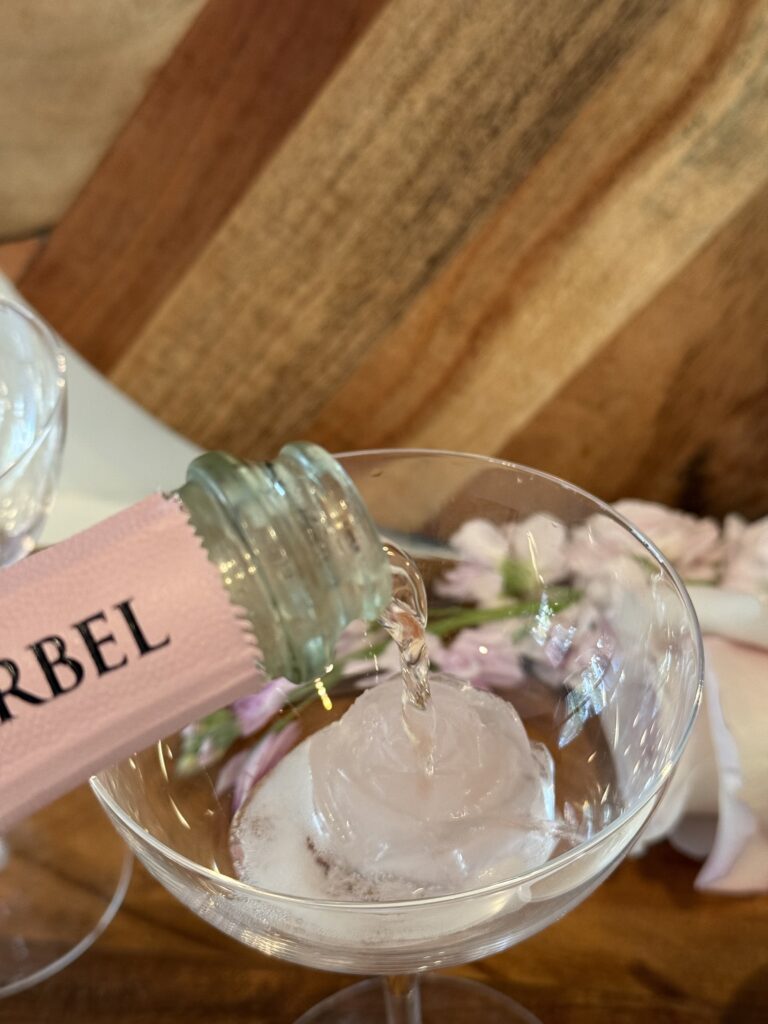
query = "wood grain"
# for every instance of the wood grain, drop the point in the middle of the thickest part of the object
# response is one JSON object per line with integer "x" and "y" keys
{"x": 15, "y": 257}
{"x": 529, "y": 230}
{"x": 70, "y": 74}
{"x": 644, "y": 947}
{"x": 675, "y": 407}
{"x": 218, "y": 110}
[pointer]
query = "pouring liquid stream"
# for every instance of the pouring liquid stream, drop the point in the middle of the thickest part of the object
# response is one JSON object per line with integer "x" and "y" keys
{"x": 405, "y": 620}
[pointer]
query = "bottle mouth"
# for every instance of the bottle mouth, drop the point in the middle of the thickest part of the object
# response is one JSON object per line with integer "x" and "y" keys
{"x": 342, "y": 566}
{"x": 341, "y": 535}
{"x": 312, "y": 551}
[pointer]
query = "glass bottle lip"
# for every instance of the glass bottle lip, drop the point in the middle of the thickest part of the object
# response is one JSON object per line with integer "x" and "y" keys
{"x": 339, "y": 525}
{"x": 497, "y": 888}
{"x": 305, "y": 534}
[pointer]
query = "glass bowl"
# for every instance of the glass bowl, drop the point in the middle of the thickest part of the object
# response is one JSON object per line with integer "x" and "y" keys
{"x": 538, "y": 592}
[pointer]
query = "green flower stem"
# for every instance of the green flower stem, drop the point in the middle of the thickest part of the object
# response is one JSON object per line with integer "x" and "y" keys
{"x": 451, "y": 620}
{"x": 442, "y": 622}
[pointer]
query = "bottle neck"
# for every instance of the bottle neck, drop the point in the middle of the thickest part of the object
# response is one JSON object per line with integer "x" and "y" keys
{"x": 296, "y": 549}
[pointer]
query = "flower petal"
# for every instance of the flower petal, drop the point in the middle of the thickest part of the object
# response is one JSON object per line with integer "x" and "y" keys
{"x": 691, "y": 543}
{"x": 255, "y": 711}
{"x": 473, "y": 583}
{"x": 735, "y": 689}
{"x": 484, "y": 656}
{"x": 540, "y": 542}
{"x": 742, "y": 617}
{"x": 479, "y": 541}
{"x": 261, "y": 759}
{"x": 746, "y": 555}
{"x": 228, "y": 775}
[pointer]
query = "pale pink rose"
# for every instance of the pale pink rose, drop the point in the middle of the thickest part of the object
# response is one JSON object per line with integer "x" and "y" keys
{"x": 481, "y": 542}
{"x": 484, "y": 656}
{"x": 541, "y": 543}
{"x": 736, "y": 689}
{"x": 244, "y": 770}
{"x": 481, "y": 549}
{"x": 537, "y": 546}
{"x": 691, "y": 544}
{"x": 255, "y": 711}
{"x": 716, "y": 806}
{"x": 746, "y": 556}
{"x": 469, "y": 582}
{"x": 731, "y": 614}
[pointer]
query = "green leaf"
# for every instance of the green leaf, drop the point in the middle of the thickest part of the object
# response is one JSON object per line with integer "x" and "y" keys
{"x": 553, "y": 600}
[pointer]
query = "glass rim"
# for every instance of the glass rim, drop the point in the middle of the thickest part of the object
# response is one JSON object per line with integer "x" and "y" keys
{"x": 58, "y": 359}
{"x": 517, "y": 881}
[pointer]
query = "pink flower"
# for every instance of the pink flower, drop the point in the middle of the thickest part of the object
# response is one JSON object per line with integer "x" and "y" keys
{"x": 735, "y": 689}
{"x": 484, "y": 656}
{"x": 742, "y": 617}
{"x": 746, "y": 556}
{"x": 482, "y": 585}
{"x": 572, "y": 639}
{"x": 716, "y": 806}
{"x": 358, "y": 639}
{"x": 244, "y": 770}
{"x": 723, "y": 773}
{"x": 602, "y": 545}
{"x": 540, "y": 542}
{"x": 254, "y": 711}
{"x": 535, "y": 548}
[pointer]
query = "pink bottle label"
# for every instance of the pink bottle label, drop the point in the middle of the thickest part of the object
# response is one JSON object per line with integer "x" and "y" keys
{"x": 109, "y": 642}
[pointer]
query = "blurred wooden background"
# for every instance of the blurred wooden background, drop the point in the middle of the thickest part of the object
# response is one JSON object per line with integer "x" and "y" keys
{"x": 534, "y": 230}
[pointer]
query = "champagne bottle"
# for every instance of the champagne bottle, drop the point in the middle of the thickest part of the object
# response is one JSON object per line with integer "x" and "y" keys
{"x": 175, "y": 607}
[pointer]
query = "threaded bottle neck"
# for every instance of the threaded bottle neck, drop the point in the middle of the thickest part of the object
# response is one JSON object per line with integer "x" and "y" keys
{"x": 295, "y": 547}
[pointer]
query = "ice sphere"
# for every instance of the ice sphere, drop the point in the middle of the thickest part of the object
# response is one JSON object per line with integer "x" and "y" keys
{"x": 353, "y": 812}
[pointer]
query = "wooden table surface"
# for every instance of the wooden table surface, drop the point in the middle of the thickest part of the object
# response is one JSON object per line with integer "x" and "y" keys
{"x": 644, "y": 947}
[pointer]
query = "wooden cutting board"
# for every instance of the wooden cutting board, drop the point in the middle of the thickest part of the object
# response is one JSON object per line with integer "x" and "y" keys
{"x": 532, "y": 230}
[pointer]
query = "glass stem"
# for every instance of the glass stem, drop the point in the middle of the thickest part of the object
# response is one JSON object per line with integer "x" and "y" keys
{"x": 403, "y": 999}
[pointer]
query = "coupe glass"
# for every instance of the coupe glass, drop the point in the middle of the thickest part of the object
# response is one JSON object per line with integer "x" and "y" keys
{"x": 544, "y": 595}
{"x": 62, "y": 876}
{"x": 33, "y": 403}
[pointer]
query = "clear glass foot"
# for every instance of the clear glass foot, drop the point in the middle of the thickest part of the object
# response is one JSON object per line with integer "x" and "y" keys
{"x": 63, "y": 876}
{"x": 442, "y": 1001}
